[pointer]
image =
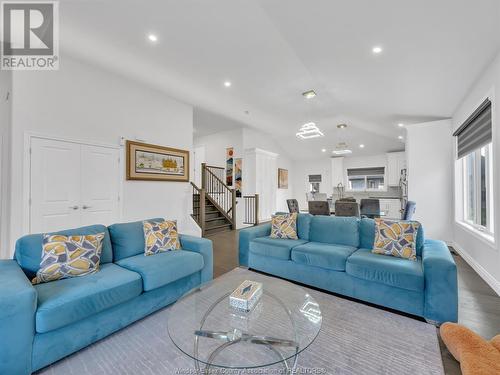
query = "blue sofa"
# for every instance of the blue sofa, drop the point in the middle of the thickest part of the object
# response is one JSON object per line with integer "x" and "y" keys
{"x": 334, "y": 254}
{"x": 40, "y": 324}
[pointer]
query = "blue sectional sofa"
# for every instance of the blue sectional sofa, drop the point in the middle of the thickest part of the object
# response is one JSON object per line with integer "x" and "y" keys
{"x": 334, "y": 254}
{"x": 43, "y": 323}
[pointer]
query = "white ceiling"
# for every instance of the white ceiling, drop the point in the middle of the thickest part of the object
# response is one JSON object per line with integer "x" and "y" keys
{"x": 272, "y": 50}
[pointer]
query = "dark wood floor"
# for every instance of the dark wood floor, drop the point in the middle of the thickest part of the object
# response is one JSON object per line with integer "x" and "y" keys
{"x": 479, "y": 305}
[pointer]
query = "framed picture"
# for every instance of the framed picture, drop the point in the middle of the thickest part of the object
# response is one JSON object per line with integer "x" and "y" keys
{"x": 282, "y": 178}
{"x": 237, "y": 176}
{"x": 229, "y": 166}
{"x": 156, "y": 163}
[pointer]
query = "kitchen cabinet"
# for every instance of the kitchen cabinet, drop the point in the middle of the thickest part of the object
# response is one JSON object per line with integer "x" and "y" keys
{"x": 391, "y": 208}
{"x": 396, "y": 161}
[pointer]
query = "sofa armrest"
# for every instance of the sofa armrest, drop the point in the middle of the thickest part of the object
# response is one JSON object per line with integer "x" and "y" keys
{"x": 18, "y": 303}
{"x": 204, "y": 247}
{"x": 247, "y": 235}
{"x": 440, "y": 275}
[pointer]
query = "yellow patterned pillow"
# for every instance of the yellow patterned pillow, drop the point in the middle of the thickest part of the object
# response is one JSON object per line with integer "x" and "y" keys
{"x": 284, "y": 226}
{"x": 69, "y": 256}
{"x": 396, "y": 237}
{"x": 160, "y": 236}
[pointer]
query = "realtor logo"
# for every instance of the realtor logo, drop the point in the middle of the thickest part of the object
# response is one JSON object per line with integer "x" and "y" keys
{"x": 30, "y": 35}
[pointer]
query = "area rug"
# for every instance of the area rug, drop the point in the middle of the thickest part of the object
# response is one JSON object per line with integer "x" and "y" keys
{"x": 355, "y": 339}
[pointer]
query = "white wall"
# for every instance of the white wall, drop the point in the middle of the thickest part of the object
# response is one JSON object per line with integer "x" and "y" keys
{"x": 5, "y": 134}
{"x": 301, "y": 172}
{"x": 429, "y": 162}
{"x": 83, "y": 102}
{"x": 483, "y": 255}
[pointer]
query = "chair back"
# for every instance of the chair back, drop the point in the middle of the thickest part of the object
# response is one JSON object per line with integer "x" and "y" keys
{"x": 293, "y": 205}
{"x": 370, "y": 208}
{"x": 319, "y": 208}
{"x": 347, "y": 199}
{"x": 409, "y": 210}
{"x": 343, "y": 208}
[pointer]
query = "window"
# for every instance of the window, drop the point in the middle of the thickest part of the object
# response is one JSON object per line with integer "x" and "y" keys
{"x": 314, "y": 183}
{"x": 477, "y": 188}
{"x": 474, "y": 158}
{"x": 361, "y": 179}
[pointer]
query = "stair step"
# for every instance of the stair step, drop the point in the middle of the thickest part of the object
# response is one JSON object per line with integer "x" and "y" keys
{"x": 218, "y": 226}
{"x": 216, "y": 218}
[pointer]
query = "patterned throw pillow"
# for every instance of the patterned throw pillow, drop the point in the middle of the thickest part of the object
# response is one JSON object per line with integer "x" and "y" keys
{"x": 160, "y": 236}
{"x": 396, "y": 237}
{"x": 69, "y": 256}
{"x": 284, "y": 226}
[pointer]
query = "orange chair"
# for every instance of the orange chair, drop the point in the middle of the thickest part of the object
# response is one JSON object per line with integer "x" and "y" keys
{"x": 476, "y": 355}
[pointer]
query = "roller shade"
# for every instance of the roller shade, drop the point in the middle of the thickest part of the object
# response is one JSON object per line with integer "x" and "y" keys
{"x": 366, "y": 171}
{"x": 314, "y": 178}
{"x": 475, "y": 132}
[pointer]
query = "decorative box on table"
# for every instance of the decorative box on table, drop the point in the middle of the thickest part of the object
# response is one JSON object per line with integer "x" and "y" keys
{"x": 246, "y": 295}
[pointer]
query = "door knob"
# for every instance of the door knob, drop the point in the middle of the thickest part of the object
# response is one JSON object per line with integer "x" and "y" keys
{"x": 74, "y": 207}
{"x": 85, "y": 207}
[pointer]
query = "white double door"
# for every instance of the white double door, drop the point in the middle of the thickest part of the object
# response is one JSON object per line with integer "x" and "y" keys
{"x": 72, "y": 185}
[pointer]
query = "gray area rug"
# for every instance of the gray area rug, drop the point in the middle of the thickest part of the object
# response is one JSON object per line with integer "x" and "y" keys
{"x": 354, "y": 339}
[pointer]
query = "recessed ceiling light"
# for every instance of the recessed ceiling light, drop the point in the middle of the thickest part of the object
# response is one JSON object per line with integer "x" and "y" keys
{"x": 361, "y": 146}
{"x": 152, "y": 38}
{"x": 400, "y": 137}
{"x": 342, "y": 126}
{"x": 377, "y": 49}
{"x": 309, "y": 94}
{"x": 227, "y": 83}
{"x": 401, "y": 125}
{"x": 323, "y": 150}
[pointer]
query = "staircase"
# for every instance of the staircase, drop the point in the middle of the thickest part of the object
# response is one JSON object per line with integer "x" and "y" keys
{"x": 214, "y": 203}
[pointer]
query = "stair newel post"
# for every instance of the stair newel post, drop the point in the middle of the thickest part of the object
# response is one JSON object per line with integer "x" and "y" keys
{"x": 256, "y": 209}
{"x": 202, "y": 211}
{"x": 233, "y": 211}
{"x": 203, "y": 175}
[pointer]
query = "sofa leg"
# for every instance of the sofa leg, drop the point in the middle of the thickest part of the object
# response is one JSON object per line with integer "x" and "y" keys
{"x": 433, "y": 322}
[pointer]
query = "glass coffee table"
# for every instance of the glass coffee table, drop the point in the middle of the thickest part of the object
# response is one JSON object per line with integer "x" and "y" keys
{"x": 285, "y": 321}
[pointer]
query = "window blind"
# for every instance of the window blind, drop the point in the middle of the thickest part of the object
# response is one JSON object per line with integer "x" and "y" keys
{"x": 314, "y": 178}
{"x": 475, "y": 132}
{"x": 366, "y": 171}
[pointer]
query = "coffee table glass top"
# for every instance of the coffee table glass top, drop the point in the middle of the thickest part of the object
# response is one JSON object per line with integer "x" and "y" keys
{"x": 285, "y": 321}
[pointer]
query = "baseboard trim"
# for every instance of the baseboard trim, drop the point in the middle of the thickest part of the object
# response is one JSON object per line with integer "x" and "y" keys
{"x": 485, "y": 275}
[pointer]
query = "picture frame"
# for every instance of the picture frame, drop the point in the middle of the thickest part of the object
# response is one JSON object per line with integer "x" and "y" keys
{"x": 149, "y": 162}
{"x": 282, "y": 178}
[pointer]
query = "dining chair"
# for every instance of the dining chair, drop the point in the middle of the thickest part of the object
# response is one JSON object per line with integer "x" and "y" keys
{"x": 343, "y": 208}
{"x": 370, "y": 208}
{"x": 409, "y": 210}
{"x": 319, "y": 208}
{"x": 293, "y": 205}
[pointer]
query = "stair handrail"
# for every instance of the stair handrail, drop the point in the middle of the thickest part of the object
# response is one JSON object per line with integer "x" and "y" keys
{"x": 226, "y": 206}
{"x": 199, "y": 212}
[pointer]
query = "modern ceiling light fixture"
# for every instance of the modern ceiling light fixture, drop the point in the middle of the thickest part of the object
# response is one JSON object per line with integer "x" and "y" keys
{"x": 152, "y": 38}
{"x": 342, "y": 149}
{"x": 309, "y": 94}
{"x": 376, "y": 50}
{"x": 342, "y": 126}
{"x": 309, "y": 130}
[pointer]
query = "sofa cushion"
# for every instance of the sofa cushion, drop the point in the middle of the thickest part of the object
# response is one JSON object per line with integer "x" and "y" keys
{"x": 128, "y": 239}
{"x": 67, "y": 301}
{"x": 388, "y": 270}
{"x": 335, "y": 230}
{"x": 367, "y": 235}
{"x": 29, "y": 248}
{"x": 274, "y": 247}
{"x": 304, "y": 225}
{"x": 323, "y": 255}
{"x": 163, "y": 268}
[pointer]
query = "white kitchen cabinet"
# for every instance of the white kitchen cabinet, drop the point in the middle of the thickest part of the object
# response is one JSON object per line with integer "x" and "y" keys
{"x": 391, "y": 208}
{"x": 338, "y": 172}
{"x": 396, "y": 161}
